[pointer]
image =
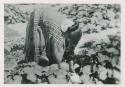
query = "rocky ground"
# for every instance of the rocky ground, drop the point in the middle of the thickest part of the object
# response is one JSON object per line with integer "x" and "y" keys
{"x": 98, "y": 61}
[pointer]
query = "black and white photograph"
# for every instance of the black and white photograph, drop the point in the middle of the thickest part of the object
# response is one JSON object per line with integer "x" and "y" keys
{"x": 62, "y": 43}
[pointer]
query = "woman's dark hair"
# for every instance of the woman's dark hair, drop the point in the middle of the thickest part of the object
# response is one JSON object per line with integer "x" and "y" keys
{"x": 73, "y": 27}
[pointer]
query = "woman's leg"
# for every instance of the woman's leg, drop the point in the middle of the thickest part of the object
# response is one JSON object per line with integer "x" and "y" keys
{"x": 36, "y": 43}
{"x": 43, "y": 55}
{"x": 57, "y": 50}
